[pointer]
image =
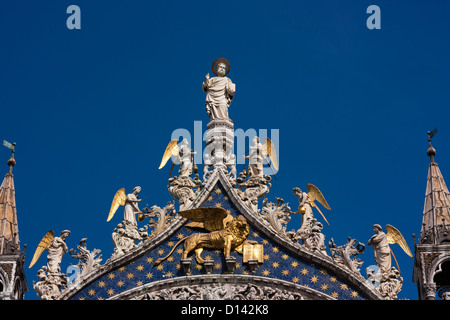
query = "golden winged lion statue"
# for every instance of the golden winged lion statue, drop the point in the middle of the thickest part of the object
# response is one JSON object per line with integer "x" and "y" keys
{"x": 226, "y": 232}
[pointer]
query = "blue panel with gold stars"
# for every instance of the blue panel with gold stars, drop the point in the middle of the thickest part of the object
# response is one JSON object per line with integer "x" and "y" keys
{"x": 278, "y": 264}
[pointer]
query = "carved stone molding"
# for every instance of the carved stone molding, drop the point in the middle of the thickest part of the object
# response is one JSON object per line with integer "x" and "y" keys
{"x": 222, "y": 287}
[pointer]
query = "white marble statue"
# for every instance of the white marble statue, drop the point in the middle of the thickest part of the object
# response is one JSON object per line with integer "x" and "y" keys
{"x": 381, "y": 250}
{"x": 131, "y": 206}
{"x": 219, "y": 91}
{"x": 256, "y": 158}
{"x": 185, "y": 154}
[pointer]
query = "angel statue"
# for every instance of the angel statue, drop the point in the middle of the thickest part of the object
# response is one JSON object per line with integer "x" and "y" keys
{"x": 258, "y": 153}
{"x": 182, "y": 153}
{"x": 380, "y": 242}
{"x": 130, "y": 202}
{"x": 226, "y": 232}
{"x": 219, "y": 91}
{"x": 306, "y": 203}
{"x": 51, "y": 277}
{"x": 56, "y": 249}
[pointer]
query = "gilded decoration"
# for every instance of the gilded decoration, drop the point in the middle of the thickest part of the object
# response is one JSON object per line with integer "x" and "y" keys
{"x": 278, "y": 264}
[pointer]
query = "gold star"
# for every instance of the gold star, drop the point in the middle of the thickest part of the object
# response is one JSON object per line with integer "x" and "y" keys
{"x": 101, "y": 284}
{"x": 170, "y": 259}
{"x": 217, "y": 266}
{"x": 228, "y": 211}
{"x": 266, "y": 257}
{"x": 323, "y": 271}
{"x": 314, "y": 279}
{"x": 139, "y": 283}
{"x": 169, "y": 274}
{"x": 275, "y": 264}
{"x": 285, "y": 256}
{"x": 335, "y": 294}
{"x": 100, "y": 298}
{"x": 161, "y": 252}
{"x": 265, "y": 241}
{"x": 238, "y": 265}
{"x": 91, "y": 292}
{"x": 140, "y": 267}
{"x": 324, "y": 287}
{"x": 120, "y": 283}
{"x": 110, "y": 292}
{"x": 294, "y": 264}
{"x": 149, "y": 275}
{"x": 354, "y": 294}
{"x": 130, "y": 275}
{"x": 208, "y": 257}
{"x": 160, "y": 267}
{"x": 275, "y": 249}
{"x": 333, "y": 279}
{"x": 170, "y": 243}
{"x": 198, "y": 266}
{"x": 225, "y": 198}
{"x": 178, "y": 266}
{"x": 304, "y": 271}
{"x": 266, "y": 272}
{"x": 179, "y": 250}
{"x": 285, "y": 272}
{"x": 210, "y": 198}
{"x": 122, "y": 269}
{"x": 255, "y": 234}
{"x": 218, "y": 205}
{"x": 180, "y": 236}
{"x": 149, "y": 260}
{"x": 111, "y": 276}
{"x": 81, "y": 298}
{"x": 344, "y": 287}
{"x": 245, "y": 272}
{"x": 218, "y": 191}
{"x": 295, "y": 280}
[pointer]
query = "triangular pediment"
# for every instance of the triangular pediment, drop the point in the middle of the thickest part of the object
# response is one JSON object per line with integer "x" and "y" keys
{"x": 284, "y": 264}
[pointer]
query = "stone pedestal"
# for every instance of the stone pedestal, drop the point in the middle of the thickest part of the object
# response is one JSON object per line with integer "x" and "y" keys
{"x": 231, "y": 264}
{"x": 253, "y": 264}
{"x": 186, "y": 264}
{"x": 208, "y": 264}
{"x": 220, "y": 142}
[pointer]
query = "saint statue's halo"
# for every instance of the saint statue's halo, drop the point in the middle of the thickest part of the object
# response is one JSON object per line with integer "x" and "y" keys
{"x": 216, "y": 63}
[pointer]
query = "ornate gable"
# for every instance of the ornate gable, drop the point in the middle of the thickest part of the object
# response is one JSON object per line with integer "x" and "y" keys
{"x": 287, "y": 271}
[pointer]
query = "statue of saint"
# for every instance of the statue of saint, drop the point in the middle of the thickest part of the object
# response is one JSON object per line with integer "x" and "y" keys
{"x": 219, "y": 91}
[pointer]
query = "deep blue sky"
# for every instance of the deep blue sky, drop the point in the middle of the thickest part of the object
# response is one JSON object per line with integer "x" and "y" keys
{"x": 92, "y": 110}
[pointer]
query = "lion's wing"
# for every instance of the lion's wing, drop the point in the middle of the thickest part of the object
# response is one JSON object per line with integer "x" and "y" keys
{"x": 209, "y": 218}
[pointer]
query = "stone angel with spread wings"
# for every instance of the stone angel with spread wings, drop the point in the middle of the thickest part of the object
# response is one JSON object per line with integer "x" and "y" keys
{"x": 130, "y": 202}
{"x": 258, "y": 153}
{"x": 56, "y": 247}
{"x": 380, "y": 242}
{"x": 226, "y": 232}
{"x": 306, "y": 202}
{"x": 183, "y": 155}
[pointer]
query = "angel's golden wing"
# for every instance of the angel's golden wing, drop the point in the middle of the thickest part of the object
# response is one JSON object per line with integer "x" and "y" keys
{"x": 209, "y": 218}
{"x": 172, "y": 149}
{"x": 119, "y": 200}
{"x": 45, "y": 243}
{"x": 394, "y": 236}
{"x": 315, "y": 194}
{"x": 268, "y": 149}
